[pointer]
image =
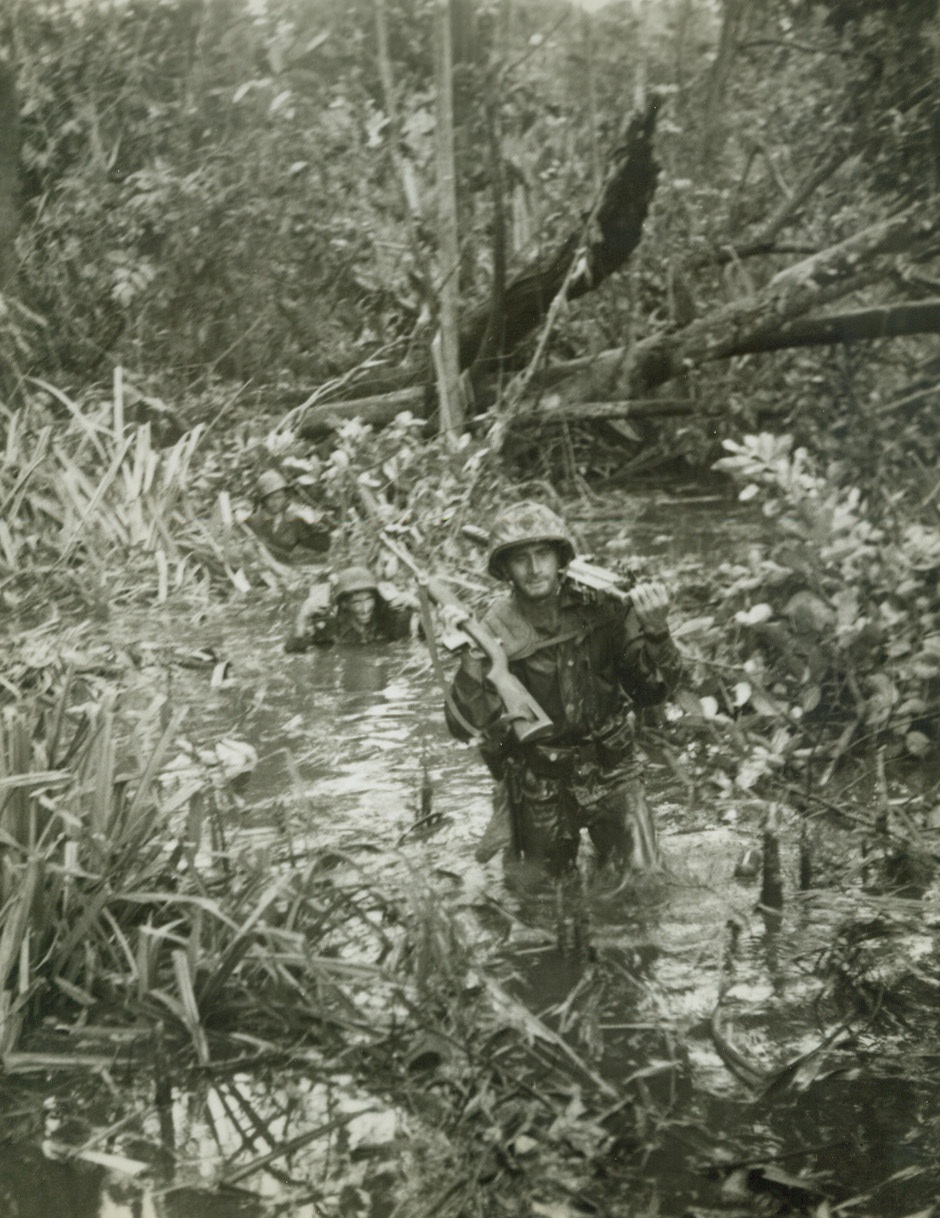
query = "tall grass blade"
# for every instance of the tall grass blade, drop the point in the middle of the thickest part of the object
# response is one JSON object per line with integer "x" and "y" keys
{"x": 16, "y": 929}
{"x": 239, "y": 945}
{"x": 118, "y": 401}
{"x": 82, "y": 927}
{"x": 39, "y": 779}
{"x": 38, "y": 451}
{"x": 156, "y": 760}
{"x": 94, "y": 501}
{"x": 291, "y": 1145}
{"x": 58, "y": 718}
{"x": 88, "y": 428}
{"x": 190, "y": 1007}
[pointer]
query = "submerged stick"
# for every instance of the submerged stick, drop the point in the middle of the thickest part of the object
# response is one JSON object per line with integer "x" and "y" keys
{"x": 771, "y": 892}
{"x": 736, "y": 1062}
{"x": 290, "y": 1146}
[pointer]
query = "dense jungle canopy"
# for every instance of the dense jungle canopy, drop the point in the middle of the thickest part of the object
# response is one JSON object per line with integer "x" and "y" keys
{"x": 224, "y": 190}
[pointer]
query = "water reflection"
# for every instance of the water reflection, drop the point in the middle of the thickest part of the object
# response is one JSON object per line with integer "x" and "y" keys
{"x": 237, "y": 1145}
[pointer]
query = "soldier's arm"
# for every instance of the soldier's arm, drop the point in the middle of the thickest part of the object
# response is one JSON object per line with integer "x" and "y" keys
{"x": 315, "y": 622}
{"x": 651, "y": 666}
{"x": 476, "y": 701}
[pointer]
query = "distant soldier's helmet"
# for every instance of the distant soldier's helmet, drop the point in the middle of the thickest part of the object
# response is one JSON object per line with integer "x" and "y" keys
{"x": 354, "y": 579}
{"x": 270, "y": 481}
{"x": 522, "y": 524}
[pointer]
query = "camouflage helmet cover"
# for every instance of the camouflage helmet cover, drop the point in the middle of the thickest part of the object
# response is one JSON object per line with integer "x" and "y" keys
{"x": 354, "y": 579}
{"x": 521, "y": 524}
{"x": 270, "y": 482}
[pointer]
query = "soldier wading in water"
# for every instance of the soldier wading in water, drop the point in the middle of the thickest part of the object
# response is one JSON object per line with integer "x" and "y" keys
{"x": 358, "y": 609}
{"x": 587, "y": 658}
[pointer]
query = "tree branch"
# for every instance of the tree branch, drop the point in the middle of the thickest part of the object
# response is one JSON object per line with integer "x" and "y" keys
{"x": 769, "y": 320}
{"x": 751, "y": 321}
{"x": 620, "y": 214}
{"x": 857, "y": 325}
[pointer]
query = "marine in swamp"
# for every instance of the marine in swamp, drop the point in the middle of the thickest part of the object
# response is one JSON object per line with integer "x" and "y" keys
{"x": 591, "y": 659}
{"x": 355, "y": 608}
{"x": 290, "y": 530}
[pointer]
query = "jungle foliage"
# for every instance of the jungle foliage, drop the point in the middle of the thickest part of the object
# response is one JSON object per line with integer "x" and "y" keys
{"x": 233, "y": 206}
{"x": 213, "y": 191}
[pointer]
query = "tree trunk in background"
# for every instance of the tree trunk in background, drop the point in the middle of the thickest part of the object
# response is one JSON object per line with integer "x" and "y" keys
{"x": 620, "y": 214}
{"x": 733, "y": 17}
{"x": 446, "y": 345}
{"x": 493, "y": 341}
{"x": 403, "y": 171}
{"x": 9, "y": 156}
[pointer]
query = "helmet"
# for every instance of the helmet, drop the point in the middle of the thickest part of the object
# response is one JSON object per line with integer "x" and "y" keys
{"x": 354, "y": 579}
{"x": 526, "y": 522}
{"x": 270, "y": 481}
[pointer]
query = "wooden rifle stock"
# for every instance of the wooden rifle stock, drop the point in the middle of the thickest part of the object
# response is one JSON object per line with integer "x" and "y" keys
{"x": 526, "y": 718}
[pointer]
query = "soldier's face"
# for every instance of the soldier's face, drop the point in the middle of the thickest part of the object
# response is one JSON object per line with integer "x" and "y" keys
{"x": 361, "y": 607}
{"x": 276, "y": 502}
{"x": 533, "y": 569}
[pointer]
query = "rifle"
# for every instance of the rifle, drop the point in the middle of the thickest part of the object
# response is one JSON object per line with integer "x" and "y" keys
{"x": 525, "y": 716}
{"x": 580, "y": 571}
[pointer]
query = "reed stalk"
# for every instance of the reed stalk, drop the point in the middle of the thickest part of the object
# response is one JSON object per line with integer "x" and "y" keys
{"x": 94, "y": 496}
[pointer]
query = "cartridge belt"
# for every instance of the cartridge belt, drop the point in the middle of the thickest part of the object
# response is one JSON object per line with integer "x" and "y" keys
{"x": 557, "y": 760}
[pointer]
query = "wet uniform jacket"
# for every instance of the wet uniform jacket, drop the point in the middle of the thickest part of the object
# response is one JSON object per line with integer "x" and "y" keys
{"x": 388, "y": 624}
{"x": 586, "y": 673}
{"x": 288, "y": 536}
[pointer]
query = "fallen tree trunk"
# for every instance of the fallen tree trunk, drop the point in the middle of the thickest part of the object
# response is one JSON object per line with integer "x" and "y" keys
{"x": 758, "y": 322}
{"x": 643, "y": 408}
{"x": 856, "y": 325}
{"x": 772, "y": 319}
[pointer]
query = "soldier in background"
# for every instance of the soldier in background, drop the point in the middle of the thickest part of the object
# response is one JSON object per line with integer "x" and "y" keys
{"x": 357, "y": 609}
{"x": 290, "y": 530}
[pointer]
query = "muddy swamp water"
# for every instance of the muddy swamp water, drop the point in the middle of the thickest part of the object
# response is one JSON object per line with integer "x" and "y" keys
{"x": 722, "y": 1038}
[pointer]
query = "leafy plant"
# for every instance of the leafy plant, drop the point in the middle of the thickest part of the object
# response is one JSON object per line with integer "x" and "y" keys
{"x": 93, "y": 504}
{"x": 820, "y": 656}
